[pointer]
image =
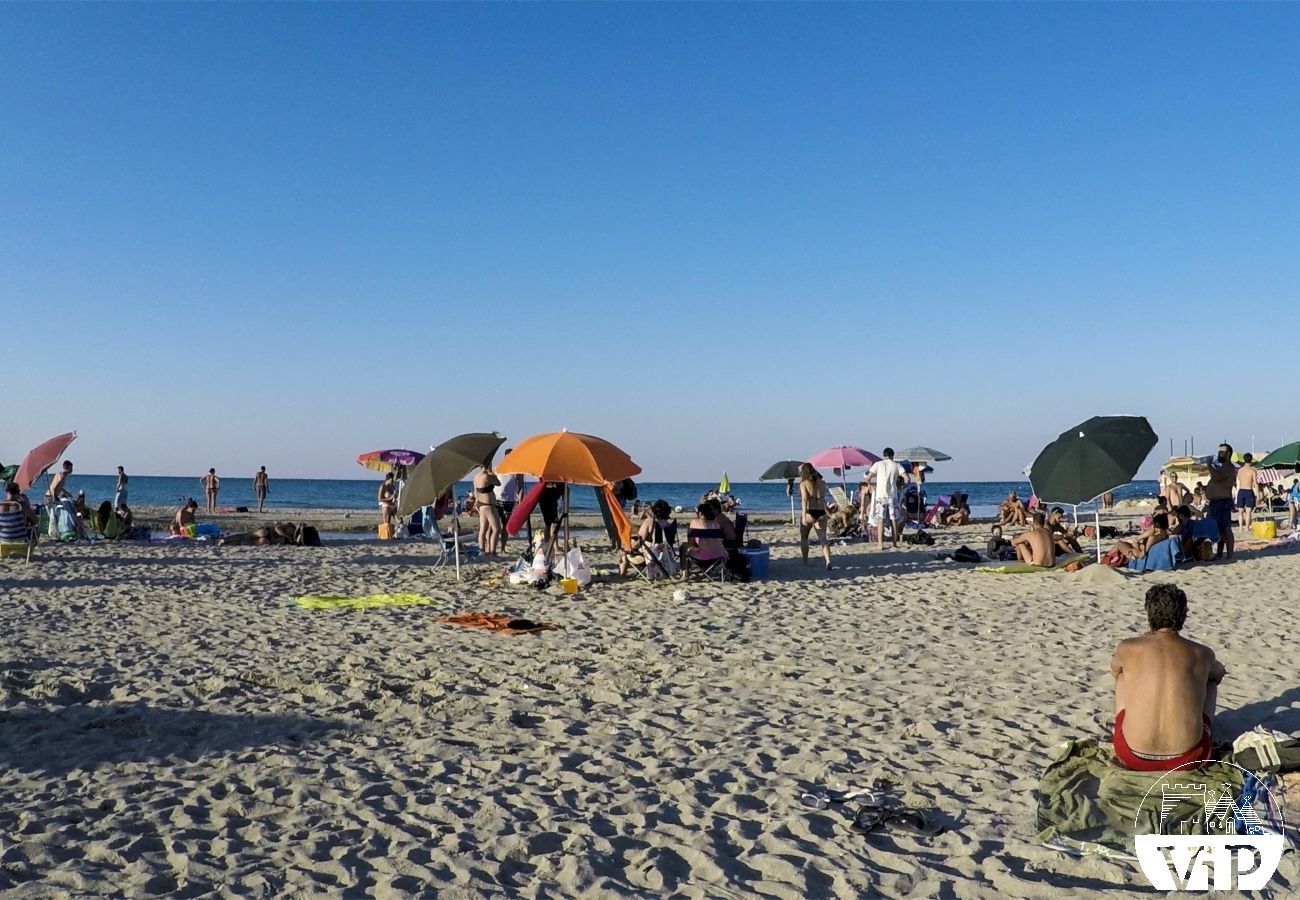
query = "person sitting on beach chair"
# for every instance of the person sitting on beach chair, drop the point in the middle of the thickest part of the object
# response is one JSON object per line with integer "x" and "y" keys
{"x": 1166, "y": 689}
{"x": 1065, "y": 538}
{"x": 957, "y": 516}
{"x": 704, "y": 549}
{"x": 17, "y": 523}
{"x": 1036, "y": 546}
{"x": 1134, "y": 548}
{"x": 651, "y": 546}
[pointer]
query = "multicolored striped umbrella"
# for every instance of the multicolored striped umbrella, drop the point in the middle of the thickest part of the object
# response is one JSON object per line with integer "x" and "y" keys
{"x": 384, "y": 460}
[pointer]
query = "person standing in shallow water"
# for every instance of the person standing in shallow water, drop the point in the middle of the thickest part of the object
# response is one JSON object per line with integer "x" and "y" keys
{"x": 260, "y": 487}
{"x": 211, "y": 484}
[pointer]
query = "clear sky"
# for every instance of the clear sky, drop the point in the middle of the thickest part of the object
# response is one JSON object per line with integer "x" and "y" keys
{"x": 717, "y": 234}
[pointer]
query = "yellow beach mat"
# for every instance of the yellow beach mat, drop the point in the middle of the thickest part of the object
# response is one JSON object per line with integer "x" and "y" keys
{"x": 370, "y": 601}
{"x": 1022, "y": 568}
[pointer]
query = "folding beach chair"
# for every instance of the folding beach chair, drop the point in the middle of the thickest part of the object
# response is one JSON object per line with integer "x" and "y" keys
{"x": 17, "y": 538}
{"x": 654, "y": 560}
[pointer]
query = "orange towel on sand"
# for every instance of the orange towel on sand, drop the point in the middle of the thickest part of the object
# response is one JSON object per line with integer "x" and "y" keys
{"x": 506, "y": 624}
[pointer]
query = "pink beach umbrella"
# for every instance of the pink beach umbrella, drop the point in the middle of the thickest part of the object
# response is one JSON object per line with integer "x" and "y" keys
{"x": 843, "y": 458}
{"x": 40, "y": 458}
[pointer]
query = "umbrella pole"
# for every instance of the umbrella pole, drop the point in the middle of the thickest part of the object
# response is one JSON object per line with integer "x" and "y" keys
{"x": 455, "y": 530}
{"x": 568, "y": 534}
{"x": 1096, "y": 523}
{"x": 793, "y": 520}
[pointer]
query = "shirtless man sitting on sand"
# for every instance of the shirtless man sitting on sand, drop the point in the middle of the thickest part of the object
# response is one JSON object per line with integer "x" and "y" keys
{"x": 1036, "y": 546}
{"x": 1012, "y": 511}
{"x": 1065, "y": 537}
{"x": 1165, "y": 690}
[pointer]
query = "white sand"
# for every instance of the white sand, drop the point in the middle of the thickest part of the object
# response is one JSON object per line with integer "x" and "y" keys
{"x": 172, "y": 724}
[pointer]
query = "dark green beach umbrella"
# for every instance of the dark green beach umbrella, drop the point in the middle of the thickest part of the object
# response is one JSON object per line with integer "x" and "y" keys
{"x": 787, "y": 469}
{"x": 1091, "y": 458}
{"x": 445, "y": 465}
{"x": 1287, "y": 457}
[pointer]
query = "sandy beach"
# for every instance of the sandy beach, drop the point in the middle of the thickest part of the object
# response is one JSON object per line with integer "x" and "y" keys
{"x": 174, "y": 725}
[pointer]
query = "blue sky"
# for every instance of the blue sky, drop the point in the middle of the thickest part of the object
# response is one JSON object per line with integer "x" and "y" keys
{"x": 719, "y": 235}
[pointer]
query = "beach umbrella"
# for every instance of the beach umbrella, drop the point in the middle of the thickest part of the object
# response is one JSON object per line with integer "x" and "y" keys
{"x": 570, "y": 458}
{"x": 843, "y": 458}
{"x": 789, "y": 470}
{"x": 1090, "y": 459}
{"x": 1287, "y": 457}
{"x": 924, "y": 454}
{"x": 385, "y": 460}
{"x": 445, "y": 465}
{"x": 40, "y": 458}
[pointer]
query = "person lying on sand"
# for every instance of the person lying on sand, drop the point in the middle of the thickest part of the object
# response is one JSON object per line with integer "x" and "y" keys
{"x": 1166, "y": 688}
{"x": 279, "y": 533}
{"x": 1036, "y": 546}
{"x": 1134, "y": 548}
{"x": 184, "y": 516}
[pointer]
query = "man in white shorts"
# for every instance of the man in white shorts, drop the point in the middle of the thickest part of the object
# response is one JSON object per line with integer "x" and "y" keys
{"x": 884, "y": 496}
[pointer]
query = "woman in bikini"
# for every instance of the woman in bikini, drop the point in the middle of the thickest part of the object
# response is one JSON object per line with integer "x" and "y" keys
{"x": 812, "y": 497}
{"x": 387, "y": 499}
{"x": 489, "y": 514}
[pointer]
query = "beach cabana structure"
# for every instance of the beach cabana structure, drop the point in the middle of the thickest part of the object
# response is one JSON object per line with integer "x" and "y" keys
{"x": 1090, "y": 459}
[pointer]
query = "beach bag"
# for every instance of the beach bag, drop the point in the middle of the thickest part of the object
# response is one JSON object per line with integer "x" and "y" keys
{"x": 964, "y": 554}
{"x": 307, "y": 536}
{"x": 920, "y": 538}
{"x": 1205, "y": 550}
{"x": 663, "y": 563}
{"x": 573, "y": 565}
{"x": 1115, "y": 560}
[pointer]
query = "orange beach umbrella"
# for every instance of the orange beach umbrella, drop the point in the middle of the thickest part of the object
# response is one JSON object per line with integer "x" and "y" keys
{"x": 569, "y": 457}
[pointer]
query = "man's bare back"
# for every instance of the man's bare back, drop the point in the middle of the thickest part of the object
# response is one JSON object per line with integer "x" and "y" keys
{"x": 1166, "y": 686}
{"x": 1163, "y": 682}
{"x": 1246, "y": 478}
{"x": 1036, "y": 546}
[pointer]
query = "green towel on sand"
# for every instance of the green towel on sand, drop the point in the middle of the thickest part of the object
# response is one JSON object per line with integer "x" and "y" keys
{"x": 1087, "y": 804}
{"x": 372, "y": 601}
{"x": 1019, "y": 568}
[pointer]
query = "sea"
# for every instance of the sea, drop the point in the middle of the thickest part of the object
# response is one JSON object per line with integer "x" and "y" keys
{"x": 359, "y": 494}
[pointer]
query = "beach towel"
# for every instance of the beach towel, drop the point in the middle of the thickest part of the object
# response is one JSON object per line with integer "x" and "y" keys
{"x": 1163, "y": 557}
{"x": 370, "y": 601}
{"x": 1089, "y": 806}
{"x": 503, "y": 624}
{"x": 1026, "y": 568}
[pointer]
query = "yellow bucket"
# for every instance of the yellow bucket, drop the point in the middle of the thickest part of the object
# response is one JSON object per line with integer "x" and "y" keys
{"x": 1265, "y": 531}
{"x": 570, "y": 585}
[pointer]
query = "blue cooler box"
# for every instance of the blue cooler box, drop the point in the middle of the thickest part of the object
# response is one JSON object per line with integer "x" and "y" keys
{"x": 758, "y": 559}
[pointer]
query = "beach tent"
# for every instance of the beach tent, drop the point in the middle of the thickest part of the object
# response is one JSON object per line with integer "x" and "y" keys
{"x": 1090, "y": 459}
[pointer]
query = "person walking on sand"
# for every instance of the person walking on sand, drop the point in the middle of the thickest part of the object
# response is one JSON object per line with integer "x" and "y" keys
{"x": 261, "y": 485}
{"x": 886, "y": 473}
{"x": 812, "y": 497}
{"x": 1246, "y": 485}
{"x": 1166, "y": 689}
{"x": 119, "y": 492}
{"x": 211, "y": 484}
{"x": 1223, "y": 476}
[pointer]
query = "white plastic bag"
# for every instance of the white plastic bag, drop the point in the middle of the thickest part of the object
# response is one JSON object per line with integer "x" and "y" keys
{"x": 573, "y": 565}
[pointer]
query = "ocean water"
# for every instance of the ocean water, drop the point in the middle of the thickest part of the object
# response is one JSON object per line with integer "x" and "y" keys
{"x": 323, "y": 493}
